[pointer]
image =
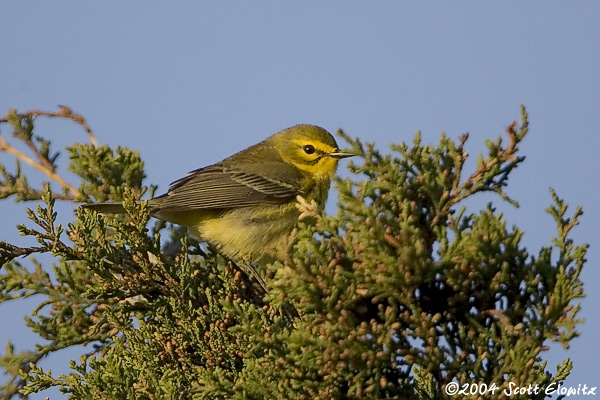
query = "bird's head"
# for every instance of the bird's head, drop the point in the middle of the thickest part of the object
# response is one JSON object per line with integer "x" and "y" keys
{"x": 309, "y": 148}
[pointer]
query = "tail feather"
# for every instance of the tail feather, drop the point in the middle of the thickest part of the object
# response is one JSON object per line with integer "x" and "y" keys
{"x": 105, "y": 208}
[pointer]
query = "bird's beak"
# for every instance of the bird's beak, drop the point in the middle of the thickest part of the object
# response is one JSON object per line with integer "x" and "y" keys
{"x": 341, "y": 154}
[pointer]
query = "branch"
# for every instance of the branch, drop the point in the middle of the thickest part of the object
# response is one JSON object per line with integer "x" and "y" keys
{"x": 42, "y": 161}
{"x": 9, "y": 252}
{"x": 63, "y": 112}
{"x": 40, "y": 166}
{"x": 34, "y": 194}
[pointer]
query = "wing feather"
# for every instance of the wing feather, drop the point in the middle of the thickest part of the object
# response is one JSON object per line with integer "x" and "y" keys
{"x": 221, "y": 187}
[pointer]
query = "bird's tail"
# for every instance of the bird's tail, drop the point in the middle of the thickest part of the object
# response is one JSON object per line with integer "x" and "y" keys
{"x": 105, "y": 208}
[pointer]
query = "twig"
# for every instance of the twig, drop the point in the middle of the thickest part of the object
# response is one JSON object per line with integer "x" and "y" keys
{"x": 5, "y": 146}
{"x": 63, "y": 112}
{"x": 34, "y": 194}
{"x": 43, "y": 163}
{"x": 9, "y": 251}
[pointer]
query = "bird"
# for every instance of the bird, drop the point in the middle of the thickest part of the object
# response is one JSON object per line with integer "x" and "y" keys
{"x": 245, "y": 206}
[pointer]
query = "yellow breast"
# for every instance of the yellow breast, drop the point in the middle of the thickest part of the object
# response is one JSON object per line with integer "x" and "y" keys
{"x": 248, "y": 233}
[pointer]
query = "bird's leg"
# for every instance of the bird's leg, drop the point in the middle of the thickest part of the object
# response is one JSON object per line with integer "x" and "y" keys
{"x": 247, "y": 269}
{"x": 257, "y": 276}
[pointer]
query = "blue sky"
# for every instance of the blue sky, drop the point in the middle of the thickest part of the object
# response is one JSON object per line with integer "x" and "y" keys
{"x": 189, "y": 83}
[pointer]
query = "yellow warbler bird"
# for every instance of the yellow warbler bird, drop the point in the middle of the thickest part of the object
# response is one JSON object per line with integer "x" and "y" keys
{"x": 245, "y": 205}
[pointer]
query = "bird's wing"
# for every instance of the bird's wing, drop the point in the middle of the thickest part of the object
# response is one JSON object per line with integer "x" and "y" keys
{"x": 220, "y": 187}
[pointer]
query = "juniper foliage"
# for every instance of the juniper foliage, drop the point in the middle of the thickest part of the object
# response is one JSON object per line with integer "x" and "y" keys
{"x": 401, "y": 292}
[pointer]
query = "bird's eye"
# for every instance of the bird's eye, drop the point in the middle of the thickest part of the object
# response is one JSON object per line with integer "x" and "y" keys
{"x": 309, "y": 149}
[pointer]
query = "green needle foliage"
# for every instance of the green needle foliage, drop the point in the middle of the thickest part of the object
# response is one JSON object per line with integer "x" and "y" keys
{"x": 401, "y": 292}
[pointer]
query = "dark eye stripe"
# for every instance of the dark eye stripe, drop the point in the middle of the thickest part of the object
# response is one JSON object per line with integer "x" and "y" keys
{"x": 316, "y": 160}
